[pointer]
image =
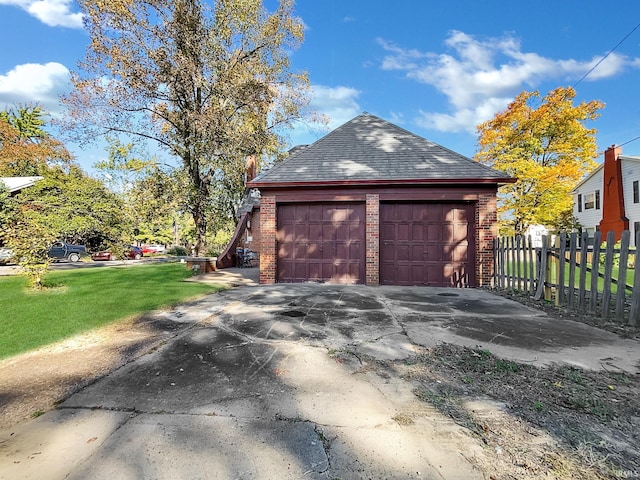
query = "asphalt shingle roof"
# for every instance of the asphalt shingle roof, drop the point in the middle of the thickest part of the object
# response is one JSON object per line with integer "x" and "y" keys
{"x": 369, "y": 148}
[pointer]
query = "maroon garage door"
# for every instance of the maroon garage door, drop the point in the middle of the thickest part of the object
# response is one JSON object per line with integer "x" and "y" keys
{"x": 321, "y": 242}
{"x": 427, "y": 244}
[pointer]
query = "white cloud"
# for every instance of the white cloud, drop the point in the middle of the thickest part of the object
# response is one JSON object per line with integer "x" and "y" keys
{"x": 55, "y": 13}
{"x": 33, "y": 83}
{"x": 480, "y": 76}
{"x": 338, "y": 104}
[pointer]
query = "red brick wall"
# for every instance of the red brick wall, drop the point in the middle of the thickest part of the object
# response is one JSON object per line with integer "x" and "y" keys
{"x": 268, "y": 254}
{"x": 486, "y": 231}
{"x": 372, "y": 239}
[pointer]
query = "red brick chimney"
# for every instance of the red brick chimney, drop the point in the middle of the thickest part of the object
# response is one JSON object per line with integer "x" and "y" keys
{"x": 613, "y": 215}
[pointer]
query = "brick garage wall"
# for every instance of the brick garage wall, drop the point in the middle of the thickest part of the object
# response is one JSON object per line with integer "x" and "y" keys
{"x": 268, "y": 254}
{"x": 486, "y": 232}
{"x": 372, "y": 240}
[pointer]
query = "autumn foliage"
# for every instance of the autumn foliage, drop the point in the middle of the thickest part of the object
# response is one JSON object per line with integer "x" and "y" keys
{"x": 24, "y": 147}
{"x": 545, "y": 144}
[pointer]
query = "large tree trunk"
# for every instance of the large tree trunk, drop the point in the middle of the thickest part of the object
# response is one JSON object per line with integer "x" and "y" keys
{"x": 198, "y": 201}
{"x": 201, "y": 231}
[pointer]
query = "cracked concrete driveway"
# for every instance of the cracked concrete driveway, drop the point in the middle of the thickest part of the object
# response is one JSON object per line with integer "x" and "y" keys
{"x": 279, "y": 382}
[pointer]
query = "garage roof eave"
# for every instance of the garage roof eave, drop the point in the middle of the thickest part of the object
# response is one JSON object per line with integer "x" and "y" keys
{"x": 405, "y": 182}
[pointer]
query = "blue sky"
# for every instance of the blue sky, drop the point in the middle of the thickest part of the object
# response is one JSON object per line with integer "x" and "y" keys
{"x": 436, "y": 68}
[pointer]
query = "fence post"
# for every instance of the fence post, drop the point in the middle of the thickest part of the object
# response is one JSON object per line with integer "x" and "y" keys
{"x": 495, "y": 262}
{"x": 503, "y": 261}
{"x": 562, "y": 260}
{"x": 517, "y": 260}
{"x": 622, "y": 275}
{"x": 542, "y": 269}
{"x": 584, "y": 257}
{"x": 510, "y": 242}
{"x": 552, "y": 271}
{"x": 608, "y": 269}
{"x": 595, "y": 266}
{"x": 573, "y": 240}
{"x": 532, "y": 275}
{"x": 634, "y": 313}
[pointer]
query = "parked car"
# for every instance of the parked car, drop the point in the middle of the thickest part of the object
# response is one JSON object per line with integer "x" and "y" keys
{"x": 159, "y": 248}
{"x": 6, "y": 255}
{"x": 153, "y": 248}
{"x": 133, "y": 252}
{"x": 61, "y": 251}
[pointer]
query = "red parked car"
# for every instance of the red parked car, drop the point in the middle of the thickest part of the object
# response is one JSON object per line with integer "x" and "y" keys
{"x": 133, "y": 253}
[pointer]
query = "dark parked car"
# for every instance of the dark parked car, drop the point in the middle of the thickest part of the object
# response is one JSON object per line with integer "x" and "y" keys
{"x": 133, "y": 253}
{"x": 61, "y": 252}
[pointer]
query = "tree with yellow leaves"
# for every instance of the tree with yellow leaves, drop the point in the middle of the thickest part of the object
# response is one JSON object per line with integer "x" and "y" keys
{"x": 547, "y": 147}
{"x": 207, "y": 81}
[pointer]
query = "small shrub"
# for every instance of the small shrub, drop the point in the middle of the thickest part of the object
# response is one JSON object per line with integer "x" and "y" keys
{"x": 177, "y": 251}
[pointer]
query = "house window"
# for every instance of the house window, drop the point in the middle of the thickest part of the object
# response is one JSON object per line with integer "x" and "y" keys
{"x": 636, "y": 194}
{"x": 589, "y": 201}
{"x": 597, "y": 199}
{"x": 636, "y": 230}
{"x": 579, "y": 202}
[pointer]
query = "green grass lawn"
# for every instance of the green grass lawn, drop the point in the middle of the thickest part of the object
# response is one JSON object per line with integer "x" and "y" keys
{"x": 78, "y": 300}
{"x": 511, "y": 269}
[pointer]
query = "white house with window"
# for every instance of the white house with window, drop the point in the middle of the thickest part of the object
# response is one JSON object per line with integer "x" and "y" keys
{"x": 609, "y": 197}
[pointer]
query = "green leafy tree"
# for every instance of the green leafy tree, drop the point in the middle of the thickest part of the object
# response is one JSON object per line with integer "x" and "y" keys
{"x": 27, "y": 120}
{"x": 65, "y": 205}
{"x": 30, "y": 241}
{"x": 545, "y": 144}
{"x": 6, "y": 212}
{"x": 153, "y": 192}
{"x": 157, "y": 201}
{"x": 209, "y": 83}
{"x": 75, "y": 208}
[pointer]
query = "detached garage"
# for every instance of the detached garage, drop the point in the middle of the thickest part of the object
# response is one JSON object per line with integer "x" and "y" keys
{"x": 373, "y": 203}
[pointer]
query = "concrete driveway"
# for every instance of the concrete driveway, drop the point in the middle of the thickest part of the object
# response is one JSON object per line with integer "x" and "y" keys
{"x": 274, "y": 382}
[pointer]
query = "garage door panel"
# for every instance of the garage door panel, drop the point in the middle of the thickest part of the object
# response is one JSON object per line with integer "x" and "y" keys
{"x": 347, "y": 250}
{"x": 436, "y": 247}
{"x": 418, "y": 253}
{"x": 311, "y": 250}
{"x": 418, "y": 232}
{"x": 314, "y": 231}
{"x": 434, "y": 252}
{"x": 388, "y": 232}
{"x": 458, "y": 233}
{"x": 327, "y": 243}
{"x": 328, "y": 232}
{"x": 342, "y": 231}
{"x": 433, "y": 233}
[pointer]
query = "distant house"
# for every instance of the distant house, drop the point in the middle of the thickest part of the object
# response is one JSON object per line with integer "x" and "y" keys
{"x": 536, "y": 232}
{"x": 608, "y": 199}
{"x": 16, "y": 184}
{"x": 375, "y": 204}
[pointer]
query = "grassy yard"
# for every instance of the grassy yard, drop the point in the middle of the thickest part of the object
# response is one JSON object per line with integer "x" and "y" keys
{"x": 79, "y": 300}
{"x": 511, "y": 269}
